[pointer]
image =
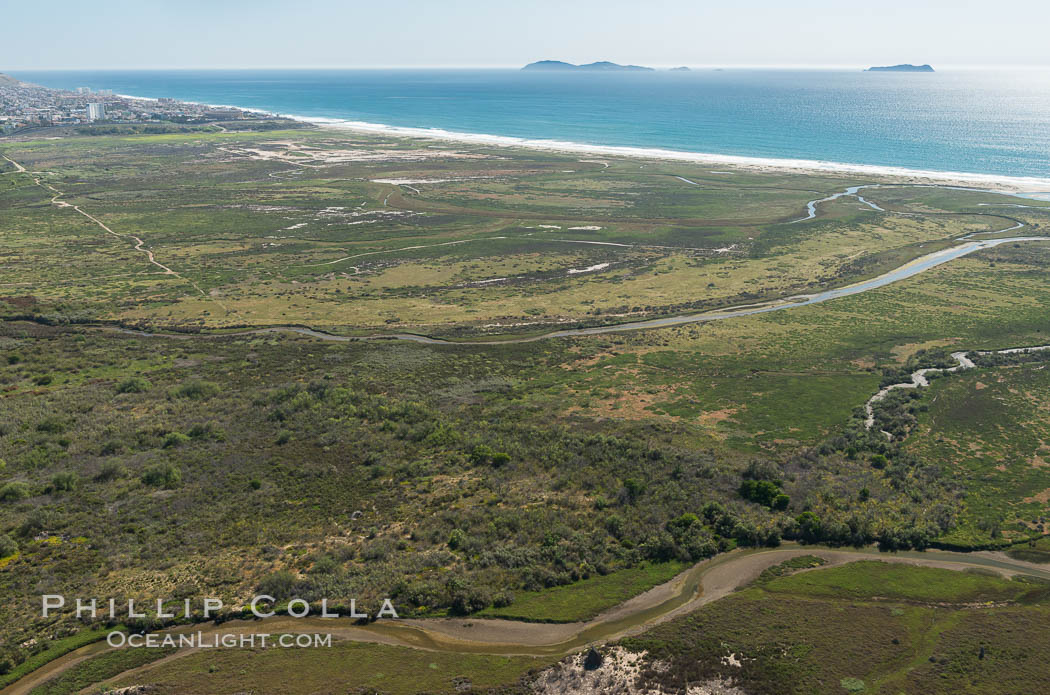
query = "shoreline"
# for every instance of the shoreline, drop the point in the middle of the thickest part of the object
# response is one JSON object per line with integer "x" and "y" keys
{"x": 1008, "y": 184}
{"x": 1000, "y": 183}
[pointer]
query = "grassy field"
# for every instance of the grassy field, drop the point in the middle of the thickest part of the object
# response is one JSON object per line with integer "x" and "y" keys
{"x": 991, "y": 426}
{"x": 865, "y": 627}
{"x": 345, "y": 667}
{"x": 587, "y": 597}
{"x": 347, "y": 232}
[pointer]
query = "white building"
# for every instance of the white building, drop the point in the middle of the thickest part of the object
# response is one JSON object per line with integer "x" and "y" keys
{"x": 96, "y": 112}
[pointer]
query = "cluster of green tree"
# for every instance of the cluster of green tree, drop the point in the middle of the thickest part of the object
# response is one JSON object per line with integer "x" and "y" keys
{"x": 923, "y": 359}
{"x": 142, "y": 129}
{"x": 765, "y": 492}
{"x": 997, "y": 359}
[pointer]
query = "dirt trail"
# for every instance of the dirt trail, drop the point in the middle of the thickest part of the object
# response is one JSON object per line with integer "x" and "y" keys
{"x": 704, "y": 583}
{"x": 19, "y": 169}
{"x": 56, "y": 200}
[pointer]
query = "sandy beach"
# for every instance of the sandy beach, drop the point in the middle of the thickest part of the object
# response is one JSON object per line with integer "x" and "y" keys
{"x": 990, "y": 182}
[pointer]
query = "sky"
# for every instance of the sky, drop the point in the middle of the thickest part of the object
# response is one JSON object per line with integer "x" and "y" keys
{"x": 130, "y": 34}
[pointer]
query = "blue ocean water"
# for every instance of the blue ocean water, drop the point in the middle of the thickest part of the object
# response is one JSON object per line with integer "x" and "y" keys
{"x": 981, "y": 122}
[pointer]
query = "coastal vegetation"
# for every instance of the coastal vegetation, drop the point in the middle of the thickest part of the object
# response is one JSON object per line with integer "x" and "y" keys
{"x": 862, "y": 627}
{"x": 542, "y": 481}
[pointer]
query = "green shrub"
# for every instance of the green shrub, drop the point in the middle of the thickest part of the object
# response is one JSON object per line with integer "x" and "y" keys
{"x": 66, "y": 481}
{"x": 467, "y": 600}
{"x": 8, "y": 546}
{"x": 162, "y": 475}
{"x": 207, "y": 430}
{"x": 456, "y": 539}
{"x": 51, "y": 425}
{"x": 481, "y": 454}
{"x": 280, "y": 584}
{"x": 13, "y": 491}
{"x": 134, "y": 384}
{"x": 110, "y": 470}
{"x": 324, "y": 565}
{"x": 196, "y": 390}
{"x": 174, "y": 439}
{"x": 112, "y": 446}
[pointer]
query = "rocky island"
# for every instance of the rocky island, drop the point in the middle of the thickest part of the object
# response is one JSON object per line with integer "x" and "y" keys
{"x": 906, "y": 67}
{"x": 600, "y": 66}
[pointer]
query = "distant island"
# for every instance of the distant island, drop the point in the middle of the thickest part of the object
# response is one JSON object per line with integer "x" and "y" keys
{"x": 901, "y": 68}
{"x": 681, "y": 69}
{"x": 600, "y": 66}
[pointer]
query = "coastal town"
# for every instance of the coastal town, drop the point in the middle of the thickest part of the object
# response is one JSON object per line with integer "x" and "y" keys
{"x": 24, "y": 106}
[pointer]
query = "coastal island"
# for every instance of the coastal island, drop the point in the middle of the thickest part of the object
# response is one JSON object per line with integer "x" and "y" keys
{"x": 600, "y": 66}
{"x": 906, "y": 67}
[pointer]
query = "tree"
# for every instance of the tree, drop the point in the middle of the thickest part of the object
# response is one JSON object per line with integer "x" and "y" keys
{"x": 634, "y": 488}
{"x": 763, "y": 492}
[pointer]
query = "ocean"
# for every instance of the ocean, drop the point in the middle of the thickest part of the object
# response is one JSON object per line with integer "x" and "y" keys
{"x": 972, "y": 122}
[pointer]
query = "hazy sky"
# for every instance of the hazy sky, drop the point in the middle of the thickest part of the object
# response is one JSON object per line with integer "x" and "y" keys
{"x": 330, "y": 33}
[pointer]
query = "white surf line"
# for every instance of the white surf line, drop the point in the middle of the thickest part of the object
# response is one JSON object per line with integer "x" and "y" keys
{"x": 703, "y": 158}
{"x": 682, "y": 178}
{"x": 918, "y": 378}
{"x": 139, "y": 243}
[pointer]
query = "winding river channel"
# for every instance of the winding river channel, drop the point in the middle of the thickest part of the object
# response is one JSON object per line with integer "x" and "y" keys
{"x": 918, "y": 377}
{"x": 703, "y": 583}
{"x": 910, "y": 269}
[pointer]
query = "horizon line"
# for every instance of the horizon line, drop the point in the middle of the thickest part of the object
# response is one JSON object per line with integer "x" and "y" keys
{"x": 516, "y": 66}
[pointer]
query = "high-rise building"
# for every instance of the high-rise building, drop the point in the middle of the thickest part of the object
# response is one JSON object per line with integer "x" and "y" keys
{"x": 96, "y": 112}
